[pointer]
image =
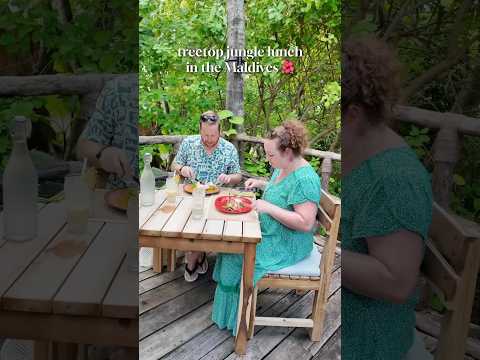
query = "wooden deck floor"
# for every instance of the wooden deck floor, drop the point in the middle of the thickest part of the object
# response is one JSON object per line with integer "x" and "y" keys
{"x": 175, "y": 321}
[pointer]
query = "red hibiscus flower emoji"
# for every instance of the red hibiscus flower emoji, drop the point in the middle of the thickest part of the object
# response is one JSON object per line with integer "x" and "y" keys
{"x": 287, "y": 67}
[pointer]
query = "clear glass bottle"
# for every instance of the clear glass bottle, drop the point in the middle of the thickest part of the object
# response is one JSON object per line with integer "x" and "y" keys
{"x": 20, "y": 188}
{"x": 147, "y": 182}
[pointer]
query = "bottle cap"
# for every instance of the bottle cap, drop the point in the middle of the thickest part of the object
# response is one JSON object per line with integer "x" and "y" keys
{"x": 147, "y": 157}
{"x": 22, "y": 127}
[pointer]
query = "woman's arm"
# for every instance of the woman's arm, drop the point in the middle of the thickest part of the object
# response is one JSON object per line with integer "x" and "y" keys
{"x": 301, "y": 219}
{"x": 390, "y": 269}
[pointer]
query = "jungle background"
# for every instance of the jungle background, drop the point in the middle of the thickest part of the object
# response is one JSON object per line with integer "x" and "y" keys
{"x": 171, "y": 99}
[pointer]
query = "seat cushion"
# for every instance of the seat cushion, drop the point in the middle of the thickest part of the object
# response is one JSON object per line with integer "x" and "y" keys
{"x": 310, "y": 266}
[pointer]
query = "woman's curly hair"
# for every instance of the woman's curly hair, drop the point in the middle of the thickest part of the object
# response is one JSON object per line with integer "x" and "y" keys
{"x": 292, "y": 135}
{"x": 370, "y": 76}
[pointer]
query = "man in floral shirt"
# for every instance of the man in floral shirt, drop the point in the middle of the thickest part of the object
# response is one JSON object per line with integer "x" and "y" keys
{"x": 207, "y": 158}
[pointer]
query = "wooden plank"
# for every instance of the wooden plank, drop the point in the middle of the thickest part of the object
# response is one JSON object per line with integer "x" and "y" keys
{"x": 167, "y": 292}
{"x": 162, "y": 342}
{"x": 122, "y": 298}
{"x": 16, "y": 257}
{"x": 69, "y": 329}
{"x": 252, "y": 232}
{"x": 210, "y": 337}
{"x": 328, "y": 202}
{"x": 156, "y": 222}
{"x": 232, "y": 231}
{"x": 285, "y": 322}
{"x": 439, "y": 272}
{"x": 332, "y": 348}
{"x": 168, "y": 313}
{"x": 194, "y": 228}
{"x": 159, "y": 279}
{"x": 36, "y": 287}
{"x": 99, "y": 265}
{"x": 177, "y": 221}
{"x": 192, "y": 245}
{"x": 295, "y": 343}
{"x": 145, "y": 212}
{"x": 213, "y": 230}
{"x": 448, "y": 237}
{"x": 324, "y": 219}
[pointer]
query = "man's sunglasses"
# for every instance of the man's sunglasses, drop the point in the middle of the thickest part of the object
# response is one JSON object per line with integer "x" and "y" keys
{"x": 209, "y": 118}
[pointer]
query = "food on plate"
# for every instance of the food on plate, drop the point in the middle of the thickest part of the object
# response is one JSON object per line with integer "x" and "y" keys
{"x": 234, "y": 204}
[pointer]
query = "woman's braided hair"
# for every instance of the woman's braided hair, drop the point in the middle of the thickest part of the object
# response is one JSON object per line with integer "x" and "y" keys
{"x": 291, "y": 135}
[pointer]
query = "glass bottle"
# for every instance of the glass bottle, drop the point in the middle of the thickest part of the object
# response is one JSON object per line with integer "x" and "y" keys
{"x": 147, "y": 182}
{"x": 20, "y": 188}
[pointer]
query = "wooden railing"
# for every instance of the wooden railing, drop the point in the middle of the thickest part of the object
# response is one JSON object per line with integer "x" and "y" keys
{"x": 325, "y": 170}
{"x": 446, "y": 150}
{"x": 447, "y": 144}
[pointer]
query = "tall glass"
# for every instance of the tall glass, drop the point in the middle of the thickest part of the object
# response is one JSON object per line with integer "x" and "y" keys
{"x": 172, "y": 188}
{"x": 77, "y": 199}
{"x": 198, "y": 202}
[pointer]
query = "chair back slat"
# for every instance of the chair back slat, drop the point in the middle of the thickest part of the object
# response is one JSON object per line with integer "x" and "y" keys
{"x": 448, "y": 238}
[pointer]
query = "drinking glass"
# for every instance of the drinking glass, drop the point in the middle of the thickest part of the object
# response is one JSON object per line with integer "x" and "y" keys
{"x": 77, "y": 200}
{"x": 172, "y": 188}
{"x": 198, "y": 202}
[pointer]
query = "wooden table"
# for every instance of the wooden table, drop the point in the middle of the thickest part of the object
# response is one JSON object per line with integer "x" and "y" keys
{"x": 172, "y": 227}
{"x": 50, "y": 292}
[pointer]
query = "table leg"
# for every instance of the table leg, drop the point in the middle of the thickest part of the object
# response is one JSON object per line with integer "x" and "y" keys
{"x": 157, "y": 260}
{"x": 40, "y": 350}
{"x": 171, "y": 259}
{"x": 248, "y": 269}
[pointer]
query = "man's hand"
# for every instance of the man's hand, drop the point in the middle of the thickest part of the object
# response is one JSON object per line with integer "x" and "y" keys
{"x": 114, "y": 160}
{"x": 187, "y": 172}
{"x": 224, "y": 179}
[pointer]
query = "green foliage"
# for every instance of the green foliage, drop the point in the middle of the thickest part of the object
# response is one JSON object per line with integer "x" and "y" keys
{"x": 172, "y": 99}
{"x": 419, "y": 140}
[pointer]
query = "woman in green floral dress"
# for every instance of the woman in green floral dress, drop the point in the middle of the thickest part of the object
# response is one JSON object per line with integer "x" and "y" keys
{"x": 287, "y": 214}
{"x": 386, "y": 211}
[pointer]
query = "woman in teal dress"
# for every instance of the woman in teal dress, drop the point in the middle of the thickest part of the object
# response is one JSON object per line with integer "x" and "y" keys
{"x": 287, "y": 214}
{"x": 386, "y": 211}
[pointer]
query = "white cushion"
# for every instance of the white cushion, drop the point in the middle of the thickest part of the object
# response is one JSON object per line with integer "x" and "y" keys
{"x": 310, "y": 266}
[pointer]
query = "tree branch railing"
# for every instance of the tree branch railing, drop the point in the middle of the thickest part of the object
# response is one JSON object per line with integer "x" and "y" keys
{"x": 327, "y": 156}
{"x": 446, "y": 147}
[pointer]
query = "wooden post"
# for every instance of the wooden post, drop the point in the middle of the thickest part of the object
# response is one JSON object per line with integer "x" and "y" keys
{"x": 235, "y": 40}
{"x": 445, "y": 157}
{"x": 326, "y": 172}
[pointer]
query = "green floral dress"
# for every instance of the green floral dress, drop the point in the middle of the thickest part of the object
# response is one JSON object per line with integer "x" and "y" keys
{"x": 389, "y": 192}
{"x": 280, "y": 246}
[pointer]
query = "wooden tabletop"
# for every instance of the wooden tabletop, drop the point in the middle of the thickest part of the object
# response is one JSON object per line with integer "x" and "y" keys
{"x": 165, "y": 220}
{"x": 47, "y": 275}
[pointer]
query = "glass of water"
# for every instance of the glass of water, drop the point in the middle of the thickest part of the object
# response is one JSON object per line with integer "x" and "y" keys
{"x": 77, "y": 200}
{"x": 198, "y": 202}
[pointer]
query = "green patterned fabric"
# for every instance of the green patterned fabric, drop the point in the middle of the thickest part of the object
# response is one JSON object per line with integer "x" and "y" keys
{"x": 280, "y": 246}
{"x": 115, "y": 121}
{"x": 208, "y": 167}
{"x": 389, "y": 192}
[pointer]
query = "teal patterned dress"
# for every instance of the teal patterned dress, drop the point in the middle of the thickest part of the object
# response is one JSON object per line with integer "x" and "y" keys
{"x": 388, "y": 192}
{"x": 280, "y": 246}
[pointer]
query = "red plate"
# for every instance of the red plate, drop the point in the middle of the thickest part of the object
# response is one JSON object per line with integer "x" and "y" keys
{"x": 225, "y": 204}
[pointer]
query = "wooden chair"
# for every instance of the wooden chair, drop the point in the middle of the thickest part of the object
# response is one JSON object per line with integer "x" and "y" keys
{"x": 451, "y": 265}
{"x": 313, "y": 273}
